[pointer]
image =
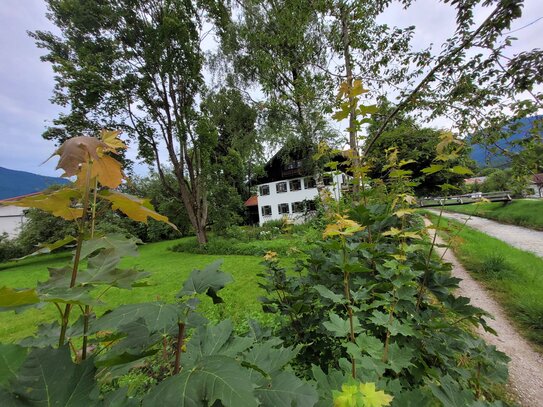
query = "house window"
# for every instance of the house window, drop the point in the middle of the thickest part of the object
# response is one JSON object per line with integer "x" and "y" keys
{"x": 266, "y": 210}
{"x": 283, "y": 208}
{"x": 264, "y": 190}
{"x": 309, "y": 183}
{"x": 327, "y": 179}
{"x": 293, "y": 165}
{"x": 311, "y": 205}
{"x": 295, "y": 185}
{"x": 281, "y": 187}
{"x": 297, "y": 207}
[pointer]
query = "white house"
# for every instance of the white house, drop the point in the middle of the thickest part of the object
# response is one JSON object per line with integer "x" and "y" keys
{"x": 288, "y": 188}
{"x": 12, "y": 219}
{"x": 294, "y": 197}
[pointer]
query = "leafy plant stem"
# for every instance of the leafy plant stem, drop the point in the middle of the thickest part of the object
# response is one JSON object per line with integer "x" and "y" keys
{"x": 87, "y": 312}
{"x": 179, "y": 346}
{"x": 427, "y": 269}
{"x": 348, "y": 304}
{"x": 77, "y": 257}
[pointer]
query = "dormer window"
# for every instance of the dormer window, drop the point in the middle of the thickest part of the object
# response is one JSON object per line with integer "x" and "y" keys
{"x": 293, "y": 165}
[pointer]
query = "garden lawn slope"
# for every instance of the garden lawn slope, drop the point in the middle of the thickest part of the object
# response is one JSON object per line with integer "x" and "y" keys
{"x": 523, "y": 212}
{"x": 168, "y": 271}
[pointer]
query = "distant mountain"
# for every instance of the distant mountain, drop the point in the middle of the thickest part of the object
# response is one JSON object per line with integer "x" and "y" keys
{"x": 486, "y": 158}
{"x": 16, "y": 183}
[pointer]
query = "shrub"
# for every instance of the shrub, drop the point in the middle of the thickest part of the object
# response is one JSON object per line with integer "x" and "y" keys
{"x": 494, "y": 266}
{"x": 9, "y": 248}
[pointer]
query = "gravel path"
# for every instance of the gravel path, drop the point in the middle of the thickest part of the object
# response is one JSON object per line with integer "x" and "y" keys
{"x": 526, "y": 365}
{"x": 522, "y": 238}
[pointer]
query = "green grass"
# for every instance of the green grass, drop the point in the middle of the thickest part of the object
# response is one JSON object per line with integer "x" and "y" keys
{"x": 168, "y": 271}
{"x": 523, "y": 212}
{"x": 514, "y": 277}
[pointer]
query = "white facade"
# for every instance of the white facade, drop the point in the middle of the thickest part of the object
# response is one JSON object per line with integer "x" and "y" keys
{"x": 286, "y": 197}
{"x": 11, "y": 220}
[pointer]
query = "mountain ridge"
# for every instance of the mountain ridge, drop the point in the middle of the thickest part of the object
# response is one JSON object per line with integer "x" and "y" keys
{"x": 15, "y": 183}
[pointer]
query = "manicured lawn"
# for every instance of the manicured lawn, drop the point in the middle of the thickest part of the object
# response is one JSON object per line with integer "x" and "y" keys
{"x": 168, "y": 271}
{"x": 514, "y": 277}
{"x": 522, "y": 212}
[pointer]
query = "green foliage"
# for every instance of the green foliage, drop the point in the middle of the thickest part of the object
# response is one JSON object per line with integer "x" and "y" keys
{"x": 10, "y": 248}
{"x": 417, "y": 145}
{"x": 401, "y": 323}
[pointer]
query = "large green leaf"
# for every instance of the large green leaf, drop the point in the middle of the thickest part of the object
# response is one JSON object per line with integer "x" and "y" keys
{"x": 11, "y": 358}
{"x": 215, "y": 340}
{"x": 399, "y": 358}
{"x": 451, "y": 394}
{"x": 159, "y": 317}
{"x": 209, "y": 281}
{"x": 341, "y": 327}
{"x": 48, "y": 333}
{"x": 121, "y": 245}
{"x": 213, "y": 378}
{"x": 48, "y": 377}
{"x": 102, "y": 270}
{"x": 268, "y": 358}
{"x": 11, "y": 298}
{"x": 75, "y": 295}
{"x": 134, "y": 342}
{"x": 285, "y": 389}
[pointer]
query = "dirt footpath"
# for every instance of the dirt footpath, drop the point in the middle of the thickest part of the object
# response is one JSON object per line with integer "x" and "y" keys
{"x": 526, "y": 365}
{"x": 522, "y": 238}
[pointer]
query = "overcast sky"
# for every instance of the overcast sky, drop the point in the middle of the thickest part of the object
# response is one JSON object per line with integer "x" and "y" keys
{"x": 26, "y": 83}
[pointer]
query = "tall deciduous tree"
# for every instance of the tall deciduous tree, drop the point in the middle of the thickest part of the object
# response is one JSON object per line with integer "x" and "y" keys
{"x": 138, "y": 63}
{"x": 278, "y": 46}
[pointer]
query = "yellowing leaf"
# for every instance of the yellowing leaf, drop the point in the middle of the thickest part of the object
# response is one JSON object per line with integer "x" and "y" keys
{"x": 400, "y": 173}
{"x": 410, "y": 199}
{"x": 77, "y": 151}
{"x": 10, "y": 297}
{"x": 392, "y": 232}
{"x": 58, "y": 203}
{"x": 108, "y": 170}
{"x": 432, "y": 169}
{"x": 358, "y": 89}
{"x": 110, "y": 137}
{"x": 340, "y": 115}
{"x": 373, "y": 398}
{"x": 135, "y": 208}
{"x": 411, "y": 235}
{"x": 458, "y": 169}
{"x": 447, "y": 138}
{"x": 347, "y": 397}
{"x": 342, "y": 226}
{"x": 402, "y": 212}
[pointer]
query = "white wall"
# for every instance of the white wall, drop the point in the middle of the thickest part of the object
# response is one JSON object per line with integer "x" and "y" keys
{"x": 11, "y": 220}
{"x": 289, "y": 197}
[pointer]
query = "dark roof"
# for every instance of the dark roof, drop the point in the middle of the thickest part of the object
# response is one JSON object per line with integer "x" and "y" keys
{"x": 296, "y": 163}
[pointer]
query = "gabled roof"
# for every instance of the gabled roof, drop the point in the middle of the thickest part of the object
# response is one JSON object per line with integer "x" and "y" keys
{"x": 252, "y": 201}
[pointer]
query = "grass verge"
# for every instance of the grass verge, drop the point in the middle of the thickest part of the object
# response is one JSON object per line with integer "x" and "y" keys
{"x": 168, "y": 271}
{"x": 514, "y": 277}
{"x": 522, "y": 212}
